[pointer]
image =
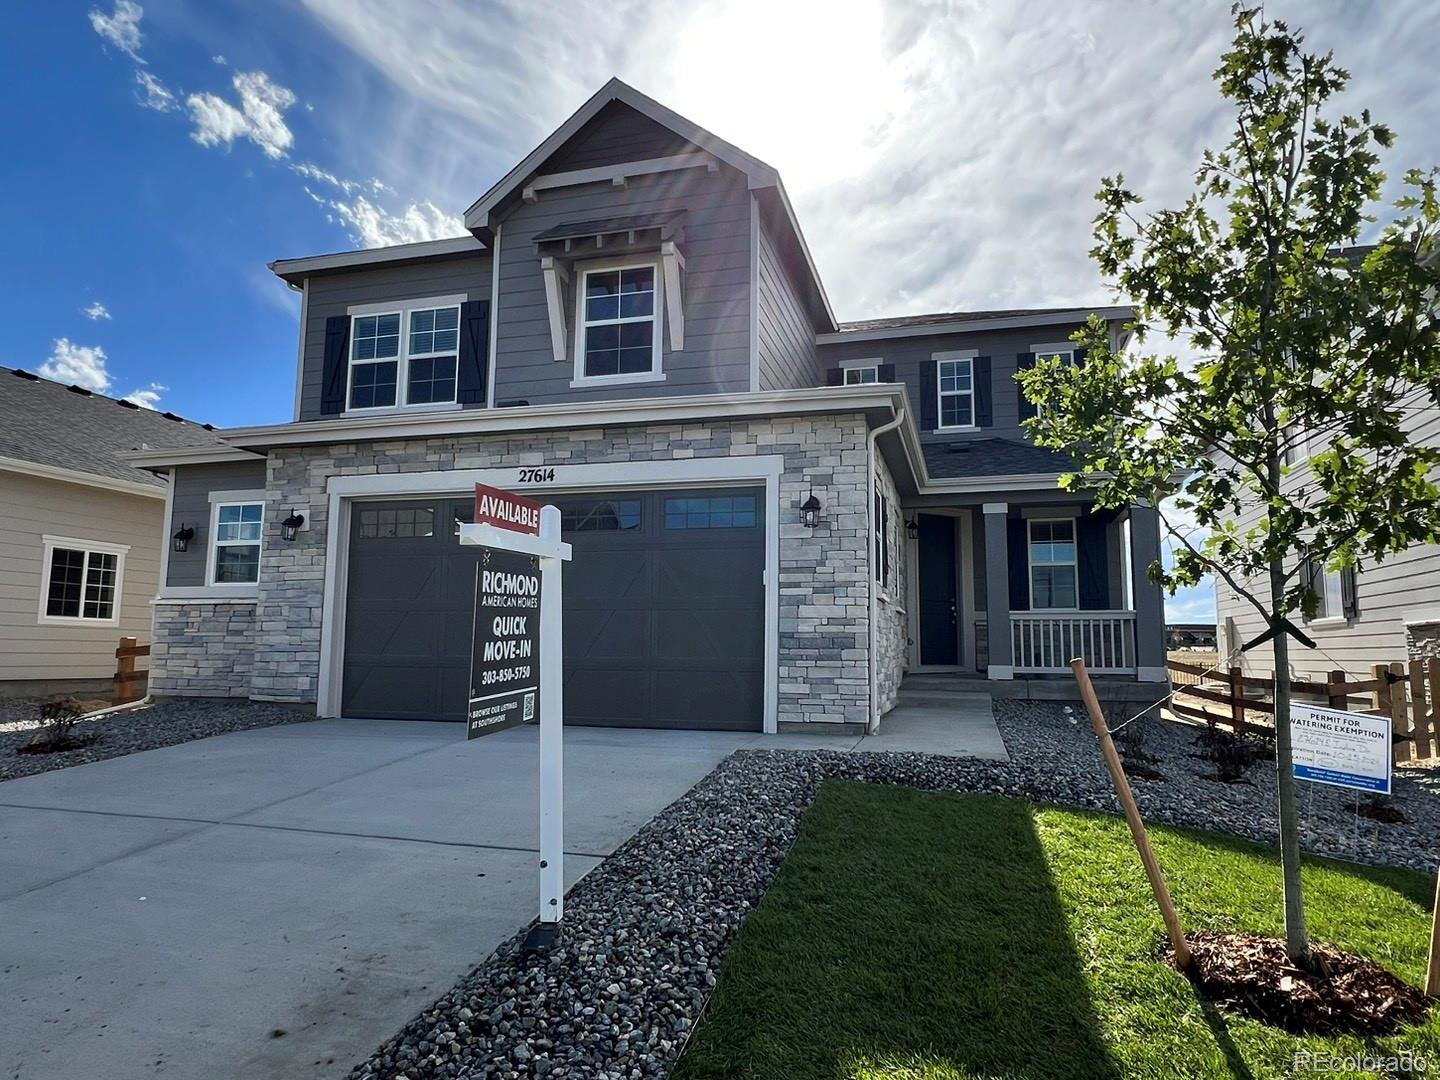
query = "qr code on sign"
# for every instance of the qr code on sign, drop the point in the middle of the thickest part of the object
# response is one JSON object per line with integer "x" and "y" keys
{"x": 529, "y": 708}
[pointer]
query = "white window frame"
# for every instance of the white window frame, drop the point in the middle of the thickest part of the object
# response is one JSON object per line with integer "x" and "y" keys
{"x": 941, "y": 359}
{"x": 871, "y": 363}
{"x": 219, "y": 500}
{"x": 404, "y": 309}
{"x": 89, "y": 547}
{"x": 1054, "y": 348}
{"x": 880, "y": 538}
{"x": 1030, "y": 524}
{"x": 657, "y": 343}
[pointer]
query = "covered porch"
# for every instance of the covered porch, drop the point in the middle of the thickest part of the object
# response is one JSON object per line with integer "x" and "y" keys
{"x": 1012, "y": 591}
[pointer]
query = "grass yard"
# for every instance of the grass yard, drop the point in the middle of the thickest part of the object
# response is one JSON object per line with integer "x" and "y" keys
{"x": 916, "y": 935}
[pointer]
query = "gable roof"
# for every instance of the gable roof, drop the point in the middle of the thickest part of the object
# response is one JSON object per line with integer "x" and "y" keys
{"x": 66, "y": 429}
{"x": 944, "y": 322}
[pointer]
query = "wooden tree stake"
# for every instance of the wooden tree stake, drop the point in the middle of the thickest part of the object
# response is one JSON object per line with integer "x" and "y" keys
{"x": 1132, "y": 816}
{"x": 1432, "y": 972}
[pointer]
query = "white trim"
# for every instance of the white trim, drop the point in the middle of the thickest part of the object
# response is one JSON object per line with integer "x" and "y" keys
{"x": 304, "y": 289}
{"x": 657, "y": 340}
{"x": 754, "y": 294}
{"x": 1420, "y": 616}
{"x": 343, "y": 491}
{"x": 618, "y": 175}
{"x": 964, "y": 326}
{"x": 405, "y": 311}
{"x": 218, "y": 501}
{"x": 1000, "y": 671}
{"x": 85, "y": 479}
{"x": 1053, "y": 347}
{"x": 672, "y": 261}
{"x": 995, "y": 508}
{"x": 1327, "y": 622}
{"x": 88, "y": 547}
{"x": 388, "y": 307}
{"x": 967, "y": 357}
{"x": 424, "y": 249}
{"x": 556, "y": 275}
{"x": 1074, "y": 563}
{"x": 494, "y": 322}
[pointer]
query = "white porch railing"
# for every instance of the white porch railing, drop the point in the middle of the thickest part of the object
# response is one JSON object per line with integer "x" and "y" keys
{"x": 1042, "y": 642}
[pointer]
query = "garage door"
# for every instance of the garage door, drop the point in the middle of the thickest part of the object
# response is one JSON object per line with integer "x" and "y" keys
{"x": 664, "y": 609}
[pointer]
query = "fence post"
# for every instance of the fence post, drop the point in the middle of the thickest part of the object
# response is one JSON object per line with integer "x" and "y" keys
{"x": 1337, "y": 701}
{"x": 1237, "y": 701}
{"x": 1420, "y": 716}
{"x": 1394, "y": 676}
{"x": 125, "y": 665}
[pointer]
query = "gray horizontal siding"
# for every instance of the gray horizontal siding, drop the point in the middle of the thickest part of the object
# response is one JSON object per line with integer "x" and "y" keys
{"x": 716, "y": 287}
{"x": 785, "y": 338}
{"x": 190, "y": 506}
{"x": 333, "y": 294}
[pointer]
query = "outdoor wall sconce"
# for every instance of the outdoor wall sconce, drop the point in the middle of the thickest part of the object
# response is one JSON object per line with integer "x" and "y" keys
{"x": 291, "y": 525}
{"x": 181, "y": 540}
{"x": 912, "y": 528}
{"x": 810, "y": 511}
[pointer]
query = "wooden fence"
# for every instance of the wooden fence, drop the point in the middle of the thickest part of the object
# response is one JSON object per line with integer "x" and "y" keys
{"x": 129, "y": 683}
{"x": 1408, "y": 694}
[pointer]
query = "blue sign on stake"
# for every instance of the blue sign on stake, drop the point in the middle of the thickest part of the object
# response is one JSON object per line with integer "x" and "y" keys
{"x": 1342, "y": 749}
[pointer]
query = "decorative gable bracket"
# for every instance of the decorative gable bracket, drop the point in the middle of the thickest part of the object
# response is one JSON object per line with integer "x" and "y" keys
{"x": 557, "y": 279}
{"x": 559, "y": 282}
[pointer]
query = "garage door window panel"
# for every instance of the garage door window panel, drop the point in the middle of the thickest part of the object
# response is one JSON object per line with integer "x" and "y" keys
{"x": 399, "y": 523}
{"x": 711, "y": 512}
{"x": 600, "y": 515}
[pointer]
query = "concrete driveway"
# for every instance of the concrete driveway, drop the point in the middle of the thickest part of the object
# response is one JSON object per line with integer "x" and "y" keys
{"x": 274, "y": 903}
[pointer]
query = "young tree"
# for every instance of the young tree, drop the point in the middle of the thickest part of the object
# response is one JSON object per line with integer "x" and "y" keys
{"x": 1297, "y": 343}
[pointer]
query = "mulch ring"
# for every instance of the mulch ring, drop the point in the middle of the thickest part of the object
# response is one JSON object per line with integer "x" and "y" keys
{"x": 1252, "y": 975}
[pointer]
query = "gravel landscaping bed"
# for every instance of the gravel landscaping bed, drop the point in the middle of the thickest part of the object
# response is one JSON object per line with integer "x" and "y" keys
{"x": 646, "y": 930}
{"x": 148, "y": 728}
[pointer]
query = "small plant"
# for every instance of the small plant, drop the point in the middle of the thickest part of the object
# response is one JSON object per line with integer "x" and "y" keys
{"x": 1381, "y": 808}
{"x": 1139, "y": 762}
{"x": 1233, "y": 755}
{"x": 58, "y": 720}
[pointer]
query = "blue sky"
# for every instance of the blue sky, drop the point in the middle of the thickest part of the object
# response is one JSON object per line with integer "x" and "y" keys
{"x": 940, "y": 155}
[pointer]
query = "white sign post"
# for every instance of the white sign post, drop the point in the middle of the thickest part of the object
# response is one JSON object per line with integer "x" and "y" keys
{"x": 1343, "y": 749}
{"x": 552, "y": 553}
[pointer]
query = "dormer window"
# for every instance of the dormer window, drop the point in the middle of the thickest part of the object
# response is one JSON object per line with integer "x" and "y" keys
{"x": 404, "y": 356}
{"x": 617, "y": 326}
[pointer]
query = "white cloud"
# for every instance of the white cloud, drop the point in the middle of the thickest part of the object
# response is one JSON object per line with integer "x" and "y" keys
{"x": 157, "y": 95}
{"x": 95, "y": 311}
{"x": 373, "y": 226}
{"x": 81, "y": 365}
{"x": 219, "y": 58}
{"x": 311, "y": 171}
{"x": 260, "y": 116}
{"x": 121, "y": 27}
{"x": 148, "y": 397}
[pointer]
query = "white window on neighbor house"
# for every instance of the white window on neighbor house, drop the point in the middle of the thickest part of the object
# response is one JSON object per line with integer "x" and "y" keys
{"x": 1334, "y": 591}
{"x": 1054, "y": 566}
{"x": 862, "y": 374}
{"x": 235, "y": 531}
{"x": 618, "y": 324}
{"x": 404, "y": 356}
{"x": 82, "y": 580}
{"x": 956, "y": 393}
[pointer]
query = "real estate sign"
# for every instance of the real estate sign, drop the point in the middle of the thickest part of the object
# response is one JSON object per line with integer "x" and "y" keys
{"x": 506, "y": 510}
{"x": 1344, "y": 749}
{"x": 505, "y": 664}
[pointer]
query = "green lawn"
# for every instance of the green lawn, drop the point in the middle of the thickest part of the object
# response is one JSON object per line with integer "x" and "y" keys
{"x": 915, "y": 935}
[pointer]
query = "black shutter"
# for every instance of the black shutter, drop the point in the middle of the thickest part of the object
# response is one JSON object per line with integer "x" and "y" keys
{"x": 1019, "y": 558}
{"x": 929, "y": 396}
{"x": 834, "y": 377}
{"x": 1310, "y": 579}
{"x": 1093, "y": 556}
{"x": 885, "y": 373}
{"x": 1024, "y": 362}
{"x": 1080, "y": 356}
{"x": 1350, "y": 594}
{"x": 332, "y": 378}
{"x": 984, "y": 400}
{"x": 474, "y": 352}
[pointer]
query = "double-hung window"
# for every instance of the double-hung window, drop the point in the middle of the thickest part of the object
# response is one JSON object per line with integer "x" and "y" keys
{"x": 956, "y": 393}
{"x": 407, "y": 356}
{"x": 618, "y": 326}
{"x": 1334, "y": 591}
{"x": 1054, "y": 573}
{"x": 82, "y": 581}
{"x": 235, "y": 542}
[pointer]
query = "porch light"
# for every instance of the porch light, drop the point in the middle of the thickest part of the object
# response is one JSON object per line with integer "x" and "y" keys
{"x": 912, "y": 528}
{"x": 810, "y": 511}
{"x": 181, "y": 540}
{"x": 291, "y": 525}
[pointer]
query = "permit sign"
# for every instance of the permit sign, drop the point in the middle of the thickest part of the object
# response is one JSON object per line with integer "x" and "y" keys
{"x": 505, "y": 664}
{"x": 1343, "y": 749}
{"x": 506, "y": 510}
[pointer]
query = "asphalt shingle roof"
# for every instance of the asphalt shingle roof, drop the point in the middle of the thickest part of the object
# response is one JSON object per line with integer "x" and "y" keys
{"x": 991, "y": 457}
{"x": 941, "y": 317}
{"x": 68, "y": 428}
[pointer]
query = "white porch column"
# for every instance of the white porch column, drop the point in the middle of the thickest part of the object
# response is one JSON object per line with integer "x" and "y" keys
{"x": 997, "y": 591}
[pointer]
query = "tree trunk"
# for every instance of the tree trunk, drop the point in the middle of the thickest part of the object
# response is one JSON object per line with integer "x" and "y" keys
{"x": 1297, "y": 939}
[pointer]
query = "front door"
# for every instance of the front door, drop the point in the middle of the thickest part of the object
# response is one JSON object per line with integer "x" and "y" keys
{"x": 939, "y": 592}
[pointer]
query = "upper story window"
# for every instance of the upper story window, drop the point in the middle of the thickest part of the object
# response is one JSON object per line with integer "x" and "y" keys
{"x": 862, "y": 374}
{"x": 1054, "y": 566}
{"x": 82, "y": 581}
{"x": 956, "y": 393}
{"x": 618, "y": 328}
{"x": 235, "y": 544}
{"x": 405, "y": 356}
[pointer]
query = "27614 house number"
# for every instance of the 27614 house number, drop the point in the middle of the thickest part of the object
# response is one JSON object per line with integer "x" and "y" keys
{"x": 537, "y": 476}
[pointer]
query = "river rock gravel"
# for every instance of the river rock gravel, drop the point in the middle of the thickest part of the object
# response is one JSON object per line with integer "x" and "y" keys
{"x": 646, "y": 930}
{"x": 165, "y": 723}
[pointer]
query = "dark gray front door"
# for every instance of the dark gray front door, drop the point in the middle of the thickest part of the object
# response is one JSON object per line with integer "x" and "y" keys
{"x": 664, "y": 609}
{"x": 939, "y": 592}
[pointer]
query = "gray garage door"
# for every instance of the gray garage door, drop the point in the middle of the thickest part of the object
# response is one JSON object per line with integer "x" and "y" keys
{"x": 664, "y": 609}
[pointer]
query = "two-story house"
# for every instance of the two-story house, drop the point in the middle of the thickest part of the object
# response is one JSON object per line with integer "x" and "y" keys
{"x": 774, "y": 515}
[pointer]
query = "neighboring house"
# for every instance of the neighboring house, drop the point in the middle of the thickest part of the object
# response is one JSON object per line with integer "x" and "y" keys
{"x": 774, "y": 515}
{"x": 1190, "y": 635}
{"x": 80, "y": 531}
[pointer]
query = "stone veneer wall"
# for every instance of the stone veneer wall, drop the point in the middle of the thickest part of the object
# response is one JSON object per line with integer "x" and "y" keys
{"x": 823, "y": 617}
{"x": 1422, "y": 640}
{"x": 892, "y": 646}
{"x": 203, "y": 649}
